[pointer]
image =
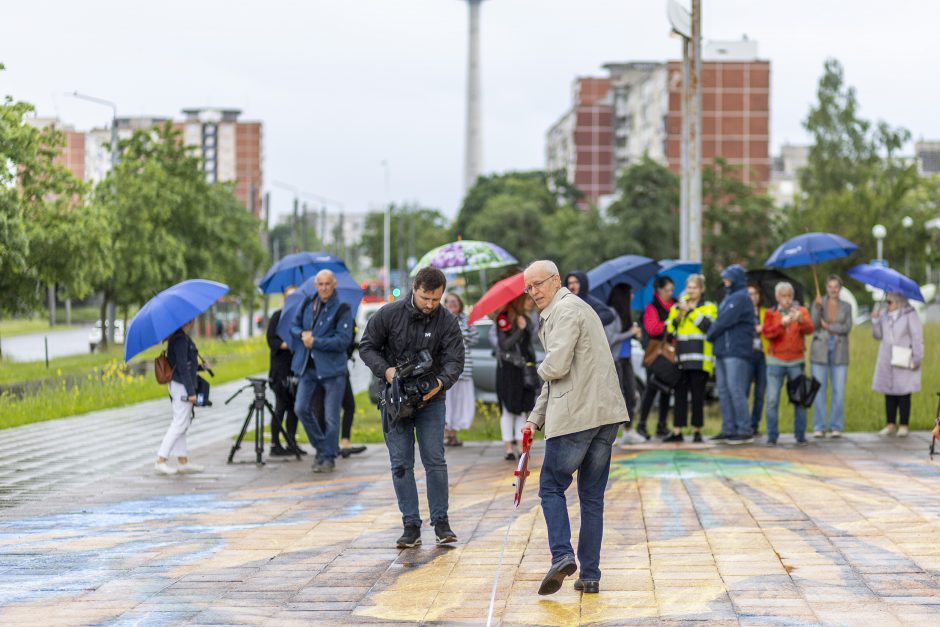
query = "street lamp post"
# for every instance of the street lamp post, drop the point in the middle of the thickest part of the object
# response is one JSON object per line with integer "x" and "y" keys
{"x": 108, "y": 329}
{"x": 880, "y": 232}
{"x": 907, "y": 222}
{"x": 386, "y": 242}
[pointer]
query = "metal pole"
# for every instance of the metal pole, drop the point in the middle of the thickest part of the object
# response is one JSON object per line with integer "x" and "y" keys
{"x": 267, "y": 246}
{"x": 305, "y": 242}
{"x": 386, "y": 243}
{"x": 684, "y": 156}
{"x": 880, "y": 248}
{"x": 473, "y": 139}
{"x": 695, "y": 139}
{"x": 295, "y": 236}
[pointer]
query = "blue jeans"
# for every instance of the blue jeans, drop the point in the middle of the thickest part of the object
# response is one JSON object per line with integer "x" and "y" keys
{"x": 428, "y": 425}
{"x": 326, "y": 443}
{"x": 588, "y": 453}
{"x": 759, "y": 384}
{"x": 775, "y": 379}
{"x": 837, "y": 374}
{"x": 733, "y": 377}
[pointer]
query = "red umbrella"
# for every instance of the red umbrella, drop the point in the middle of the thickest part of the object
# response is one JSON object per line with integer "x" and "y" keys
{"x": 522, "y": 470}
{"x": 501, "y": 293}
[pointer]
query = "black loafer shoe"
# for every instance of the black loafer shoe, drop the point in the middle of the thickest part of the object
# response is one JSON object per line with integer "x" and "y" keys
{"x": 352, "y": 450}
{"x": 587, "y": 587}
{"x": 279, "y": 451}
{"x": 564, "y": 567}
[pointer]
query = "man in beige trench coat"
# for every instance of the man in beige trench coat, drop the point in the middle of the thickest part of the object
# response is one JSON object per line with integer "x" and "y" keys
{"x": 580, "y": 408}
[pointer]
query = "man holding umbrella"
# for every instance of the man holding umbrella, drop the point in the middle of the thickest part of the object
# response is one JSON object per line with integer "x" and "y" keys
{"x": 322, "y": 330}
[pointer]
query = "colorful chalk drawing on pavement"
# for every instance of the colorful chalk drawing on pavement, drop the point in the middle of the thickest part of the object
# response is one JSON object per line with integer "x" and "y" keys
{"x": 704, "y": 534}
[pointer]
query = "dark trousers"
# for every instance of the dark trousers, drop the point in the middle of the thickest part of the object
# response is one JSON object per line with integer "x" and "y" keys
{"x": 759, "y": 385}
{"x": 349, "y": 409}
{"x": 898, "y": 404}
{"x": 588, "y": 453}
{"x": 646, "y": 405}
{"x": 691, "y": 382}
{"x": 627, "y": 385}
{"x": 283, "y": 404}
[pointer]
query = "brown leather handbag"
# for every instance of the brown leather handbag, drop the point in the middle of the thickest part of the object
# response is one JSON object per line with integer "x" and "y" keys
{"x": 656, "y": 348}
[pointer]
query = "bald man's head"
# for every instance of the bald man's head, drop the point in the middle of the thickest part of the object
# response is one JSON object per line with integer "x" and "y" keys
{"x": 326, "y": 284}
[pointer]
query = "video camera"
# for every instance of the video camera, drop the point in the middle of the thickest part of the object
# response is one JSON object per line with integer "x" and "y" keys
{"x": 414, "y": 378}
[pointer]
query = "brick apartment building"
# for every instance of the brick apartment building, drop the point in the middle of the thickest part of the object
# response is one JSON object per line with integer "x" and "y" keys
{"x": 636, "y": 110}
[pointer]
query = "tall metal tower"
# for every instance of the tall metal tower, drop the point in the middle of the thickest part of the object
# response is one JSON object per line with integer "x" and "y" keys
{"x": 473, "y": 157}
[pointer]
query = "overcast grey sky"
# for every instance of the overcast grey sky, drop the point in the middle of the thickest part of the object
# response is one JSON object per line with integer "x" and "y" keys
{"x": 344, "y": 84}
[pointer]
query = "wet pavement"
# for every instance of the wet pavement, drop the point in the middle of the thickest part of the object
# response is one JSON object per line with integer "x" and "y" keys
{"x": 841, "y": 532}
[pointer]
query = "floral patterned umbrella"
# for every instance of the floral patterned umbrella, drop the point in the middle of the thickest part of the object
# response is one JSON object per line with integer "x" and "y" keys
{"x": 465, "y": 256}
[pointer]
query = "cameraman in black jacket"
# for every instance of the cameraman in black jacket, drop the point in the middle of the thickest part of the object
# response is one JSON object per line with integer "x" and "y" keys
{"x": 394, "y": 334}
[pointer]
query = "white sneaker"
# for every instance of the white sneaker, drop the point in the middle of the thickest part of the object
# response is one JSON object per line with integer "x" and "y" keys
{"x": 190, "y": 469}
{"x": 902, "y": 431}
{"x": 819, "y": 434}
{"x": 889, "y": 429}
{"x": 835, "y": 434}
{"x": 631, "y": 437}
{"x": 162, "y": 469}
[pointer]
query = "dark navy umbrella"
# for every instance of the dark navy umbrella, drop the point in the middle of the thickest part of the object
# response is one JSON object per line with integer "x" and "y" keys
{"x": 886, "y": 279}
{"x": 168, "y": 311}
{"x": 675, "y": 269}
{"x": 347, "y": 289}
{"x": 809, "y": 249}
{"x": 296, "y": 268}
{"x": 634, "y": 270}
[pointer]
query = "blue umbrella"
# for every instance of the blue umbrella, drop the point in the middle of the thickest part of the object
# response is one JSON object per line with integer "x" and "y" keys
{"x": 809, "y": 249}
{"x": 675, "y": 269}
{"x": 347, "y": 289}
{"x": 296, "y": 268}
{"x": 634, "y": 270}
{"x": 168, "y": 311}
{"x": 886, "y": 279}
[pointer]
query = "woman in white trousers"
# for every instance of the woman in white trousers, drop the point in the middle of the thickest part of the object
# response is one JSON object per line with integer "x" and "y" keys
{"x": 183, "y": 357}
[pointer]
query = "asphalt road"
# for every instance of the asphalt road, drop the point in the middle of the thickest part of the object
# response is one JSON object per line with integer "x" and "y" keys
{"x": 31, "y": 347}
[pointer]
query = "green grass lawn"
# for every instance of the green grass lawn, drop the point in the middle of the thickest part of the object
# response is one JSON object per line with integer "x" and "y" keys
{"x": 864, "y": 408}
{"x": 99, "y": 381}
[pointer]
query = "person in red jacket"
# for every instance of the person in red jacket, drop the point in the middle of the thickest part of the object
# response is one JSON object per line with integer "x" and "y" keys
{"x": 786, "y": 326}
{"x": 654, "y": 328}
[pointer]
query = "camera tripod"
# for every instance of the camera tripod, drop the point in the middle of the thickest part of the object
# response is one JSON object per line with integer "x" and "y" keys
{"x": 256, "y": 410}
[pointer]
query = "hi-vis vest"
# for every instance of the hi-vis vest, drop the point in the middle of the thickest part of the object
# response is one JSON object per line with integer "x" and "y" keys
{"x": 689, "y": 330}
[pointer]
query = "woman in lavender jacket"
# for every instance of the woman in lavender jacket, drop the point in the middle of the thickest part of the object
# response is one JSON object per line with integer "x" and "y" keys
{"x": 898, "y": 326}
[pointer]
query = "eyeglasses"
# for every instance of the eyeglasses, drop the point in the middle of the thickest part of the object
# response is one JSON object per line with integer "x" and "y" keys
{"x": 537, "y": 284}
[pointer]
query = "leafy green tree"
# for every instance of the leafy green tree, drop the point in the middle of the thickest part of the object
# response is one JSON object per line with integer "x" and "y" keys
{"x": 169, "y": 224}
{"x": 422, "y": 229}
{"x": 734, "y": 221}
{"x": 532, "y": 186}
{"x": 578, "y": 239}
{"x": 854, "y": 177}
{"x": 49, "y": 234}
{"x": 644, "y": 219}
{"x": 512, "y": 221}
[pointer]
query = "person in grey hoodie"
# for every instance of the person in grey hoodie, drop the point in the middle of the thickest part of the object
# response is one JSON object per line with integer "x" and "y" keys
{"x": 732, "y": 336}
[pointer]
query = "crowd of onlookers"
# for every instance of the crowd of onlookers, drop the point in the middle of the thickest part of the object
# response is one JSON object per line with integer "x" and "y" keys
{"x": 749, "y": 355}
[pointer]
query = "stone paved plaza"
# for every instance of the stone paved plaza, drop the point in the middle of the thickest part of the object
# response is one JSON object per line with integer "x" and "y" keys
{"x": 842, "y": 532}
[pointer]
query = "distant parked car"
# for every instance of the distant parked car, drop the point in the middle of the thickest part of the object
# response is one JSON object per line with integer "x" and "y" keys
{"x": 94, "y": 338}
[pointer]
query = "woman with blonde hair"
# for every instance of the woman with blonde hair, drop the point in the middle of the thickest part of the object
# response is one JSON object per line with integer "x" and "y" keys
{"x": 688, "y": 322}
